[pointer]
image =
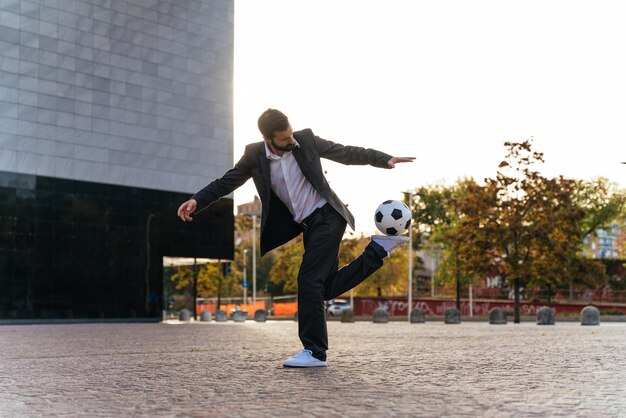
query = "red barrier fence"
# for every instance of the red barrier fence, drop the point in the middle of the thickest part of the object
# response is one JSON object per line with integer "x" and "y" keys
{"x": 398, "y": 306}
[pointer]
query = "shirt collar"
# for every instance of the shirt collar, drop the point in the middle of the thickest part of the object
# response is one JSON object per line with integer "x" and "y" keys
{"x": 271, "y": 156}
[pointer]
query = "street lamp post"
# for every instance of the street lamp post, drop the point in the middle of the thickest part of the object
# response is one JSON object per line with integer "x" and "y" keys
{"x": 253, "y": 263}
{"x": 254, "y": 212}
{"x": 433, "y": 267}
{"x": 410, "y": 275}
{"x": 245, "y": 277}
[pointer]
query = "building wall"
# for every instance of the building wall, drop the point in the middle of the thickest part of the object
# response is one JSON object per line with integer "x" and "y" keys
{"x": 112, "y": 112}
{"x": 134, "y": 93}
{"x": 607, "y": 243}
{"x": 71, "y": 249}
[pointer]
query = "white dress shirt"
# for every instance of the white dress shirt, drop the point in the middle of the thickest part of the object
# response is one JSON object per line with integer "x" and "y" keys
{"x": 290, "y": 185}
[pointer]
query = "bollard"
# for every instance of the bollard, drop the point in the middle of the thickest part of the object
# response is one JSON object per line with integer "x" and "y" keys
{"x": 220, "y": 316}
{"x": 239, "y": 316}
{"x": 260, "y": 315}
{"x": 184, "y": 315}
{"x": 347, "y": 316}
{"x": 380, "y": 316}
{"x": 452, "y": 316}
{"x": 417, "y": 316}
{"x": 295, "y": 316}
{"x": 206, "y": 316}
{"x": 545, "y": 316}
{"x": 590, "y": 315}
{"x": 497, "y": 316}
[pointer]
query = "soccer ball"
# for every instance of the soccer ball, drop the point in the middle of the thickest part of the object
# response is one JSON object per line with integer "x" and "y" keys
{"x": 392, "y": 217}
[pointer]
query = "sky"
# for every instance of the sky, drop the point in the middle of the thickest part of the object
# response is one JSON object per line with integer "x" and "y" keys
{"x": 447, "y": 82}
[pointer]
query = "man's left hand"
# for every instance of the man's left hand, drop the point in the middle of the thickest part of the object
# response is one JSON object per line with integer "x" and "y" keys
{"x": 392, "y": 162}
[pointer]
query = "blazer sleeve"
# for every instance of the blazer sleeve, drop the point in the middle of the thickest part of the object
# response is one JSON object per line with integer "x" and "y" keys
{"x": 231, "y": 180}
{"x": 351, "y": 155}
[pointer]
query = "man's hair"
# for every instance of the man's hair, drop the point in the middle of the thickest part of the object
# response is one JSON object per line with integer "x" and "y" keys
{"x": 271, "y": 121}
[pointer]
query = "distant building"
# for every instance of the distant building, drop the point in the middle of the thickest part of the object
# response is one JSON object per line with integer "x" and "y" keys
{"x": 607, "y": 243}
{"x": 250, "y": 208}
{"x": 244, "y": 213}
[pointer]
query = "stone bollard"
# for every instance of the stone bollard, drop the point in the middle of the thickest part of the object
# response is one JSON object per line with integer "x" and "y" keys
{"x": 184, "y": 315}
{"x": 453, "y": 316}
{"x": 220, "y": 316}
{"x": 545, "y": 316}
{"x": 260, "y": 315}
{"x": 239, "y": 316}
{"x": 206, "y": 316}
{"x": 497, "y": 316}
{"x": 417, "y": 316}
{"x": 347, "y": 316}
{"x": 380, "y": 316}
{"x": 590, "y": 315}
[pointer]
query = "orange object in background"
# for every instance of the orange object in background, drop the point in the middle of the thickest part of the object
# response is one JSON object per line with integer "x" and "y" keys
{"x": 279, "y": 308}
{"x": 285, "y": 308}
{"x": 248, "y": 307}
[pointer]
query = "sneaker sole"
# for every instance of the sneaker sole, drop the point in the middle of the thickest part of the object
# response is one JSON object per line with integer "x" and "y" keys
{"x": 304, "y": 367}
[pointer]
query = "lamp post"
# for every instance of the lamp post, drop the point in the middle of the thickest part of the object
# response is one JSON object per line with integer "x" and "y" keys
{"x": 253, "y": 263}
{"x": 434, "y": 250}
{"x": 410, "y": 274}
{"x": 253, "y": 210}
{"x": 245, "y": 276}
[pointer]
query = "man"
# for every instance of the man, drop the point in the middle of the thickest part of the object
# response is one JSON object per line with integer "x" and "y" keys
{"x": 295, "y": 199}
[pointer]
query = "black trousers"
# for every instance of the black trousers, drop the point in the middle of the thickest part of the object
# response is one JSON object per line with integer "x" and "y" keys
{"x": 319, "y": 279}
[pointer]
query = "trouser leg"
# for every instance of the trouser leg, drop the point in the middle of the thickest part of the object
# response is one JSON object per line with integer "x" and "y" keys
{"x": 319, "y": 280}
{"x": 370, "y": 260}
{"x": 319, "y": 261}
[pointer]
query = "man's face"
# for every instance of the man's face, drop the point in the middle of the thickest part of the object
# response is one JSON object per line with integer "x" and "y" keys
{"x": 283, "y": 140}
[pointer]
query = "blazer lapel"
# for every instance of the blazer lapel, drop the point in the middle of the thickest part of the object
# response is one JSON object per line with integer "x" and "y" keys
{"x": 297, "y": 153}
{"x": 265, "y": 168}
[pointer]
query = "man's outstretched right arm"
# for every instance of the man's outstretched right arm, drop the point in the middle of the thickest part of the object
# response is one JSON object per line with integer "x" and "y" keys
{"x": 230, "y": 181}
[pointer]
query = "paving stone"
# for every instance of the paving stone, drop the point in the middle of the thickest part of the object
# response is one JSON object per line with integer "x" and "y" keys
{"x": 227, "y": 369}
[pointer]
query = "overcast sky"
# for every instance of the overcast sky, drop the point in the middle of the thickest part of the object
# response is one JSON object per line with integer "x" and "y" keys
{"x": 445, "y": 81}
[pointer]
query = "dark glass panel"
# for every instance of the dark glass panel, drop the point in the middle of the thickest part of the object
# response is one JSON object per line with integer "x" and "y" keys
{"x": 72, "y": 249}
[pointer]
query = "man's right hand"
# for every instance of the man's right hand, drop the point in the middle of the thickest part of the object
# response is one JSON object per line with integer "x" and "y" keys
{"x": 186, "y": 209}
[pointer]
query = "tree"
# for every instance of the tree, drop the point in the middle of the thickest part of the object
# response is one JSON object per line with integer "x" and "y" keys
{"x": 284, "y": 272}
{"x": 431, "y": 211}
{"x": 520, "y": 225}
{"x": 389, "y": 279}
{"x": 602, "y": 202}
{"x": 434, "y": 218}
{"x": 210, "y": 280}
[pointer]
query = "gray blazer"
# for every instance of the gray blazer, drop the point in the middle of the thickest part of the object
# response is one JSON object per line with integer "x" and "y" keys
{"x": 277, "y": 224}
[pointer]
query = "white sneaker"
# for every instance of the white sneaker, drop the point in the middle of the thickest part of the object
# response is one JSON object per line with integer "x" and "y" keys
{"x": 389, "y": 242}
{"x": 303, "y": 358}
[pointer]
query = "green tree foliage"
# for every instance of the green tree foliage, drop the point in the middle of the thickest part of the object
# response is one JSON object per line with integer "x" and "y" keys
{"x": 284, "y": 272}
{"x": 434, "y": 219}
{"x": 602, "y": 202}
{"x": 431, "y": 212}
{"x": 263, "y": 266}
{"x": 390, "y": 279}
{"x": 210, "y": 281}
{"x": 523, "y": 226}
{"x": 243, "y": 227}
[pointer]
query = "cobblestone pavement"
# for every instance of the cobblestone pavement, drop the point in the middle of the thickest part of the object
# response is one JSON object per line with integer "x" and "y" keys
{"x": 234, "y": 369}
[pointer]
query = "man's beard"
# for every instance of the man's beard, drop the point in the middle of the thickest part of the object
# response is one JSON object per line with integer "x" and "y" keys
{"x": 286, "y": 148}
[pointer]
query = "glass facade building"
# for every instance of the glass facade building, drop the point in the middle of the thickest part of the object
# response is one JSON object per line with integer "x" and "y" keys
{"x": 112, "y": 113}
